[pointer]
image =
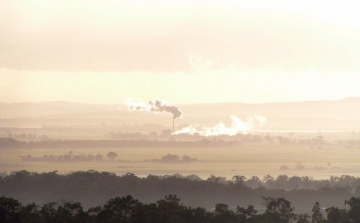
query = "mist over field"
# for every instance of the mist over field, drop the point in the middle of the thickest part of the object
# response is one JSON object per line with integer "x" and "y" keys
{"x": 305, "y": 152}
{"x": 288, "y": 140}
{"x": 179, "y": 112}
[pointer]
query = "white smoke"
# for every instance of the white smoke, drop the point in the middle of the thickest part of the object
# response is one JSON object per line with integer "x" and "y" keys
{"x": 156, "y": 106}
{"x": 237, "y": 126}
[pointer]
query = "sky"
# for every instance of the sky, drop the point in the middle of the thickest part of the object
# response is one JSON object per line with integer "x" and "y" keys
{"x": 182, "y": 51}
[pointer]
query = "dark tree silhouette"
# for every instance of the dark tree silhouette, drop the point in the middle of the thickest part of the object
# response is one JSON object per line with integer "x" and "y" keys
{"x": 336, "y": 215}
{"x": 169, "y": 210}
{"x": 111, "y": 156}
{"x": 317, "y": 216}
{"x": 278, "y": 210}
{"x": 354, "y": 212}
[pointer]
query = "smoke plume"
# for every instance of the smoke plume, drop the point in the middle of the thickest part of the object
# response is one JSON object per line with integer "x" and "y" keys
{"x": 237, "y": 126}
{"x": 156, "y": 106}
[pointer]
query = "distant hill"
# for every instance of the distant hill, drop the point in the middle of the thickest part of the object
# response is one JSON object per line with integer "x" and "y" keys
{"x": 341, "y": 114}
{"x": 51, "y": 108}
{"x": 348, "y": 108}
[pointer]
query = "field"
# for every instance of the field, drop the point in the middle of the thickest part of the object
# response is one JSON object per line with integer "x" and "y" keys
{"x": 257, "y": 159}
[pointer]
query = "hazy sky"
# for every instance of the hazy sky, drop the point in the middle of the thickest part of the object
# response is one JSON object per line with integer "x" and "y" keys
{"x": 180, "y": 51}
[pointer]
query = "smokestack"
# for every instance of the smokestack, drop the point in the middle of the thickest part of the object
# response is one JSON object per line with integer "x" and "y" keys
{"x": 156, "y": 106}
{"x": 173, "y": 126}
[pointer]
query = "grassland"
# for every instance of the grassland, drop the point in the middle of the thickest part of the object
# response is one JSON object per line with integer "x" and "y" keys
{"x": 258, "y": 159}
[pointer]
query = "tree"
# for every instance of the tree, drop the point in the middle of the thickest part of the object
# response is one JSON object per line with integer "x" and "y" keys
{"x": 221, "y": 208}
{"x": 278, "y": 210}
{"x": 48, "y": 211}
{"x": 354, "y": 212}
{"x": 170, "y": 210}
{"x": 105, "y": 216}
{"x": 111, "y": 156}
{"x": 215, "y": 179}
{"x": 121, "y": 209}
{"x": 281, "y": 181}
{"x": 71, "y": 212}
{"x": 317, "y": 216}
{"x": 8, "y": 209}
{"x": 254, "y": 182}
{"x": 245, "y": 213}
{"x": 30, "y": 214}
{"x": 336, "y": 215}
{"x": 172, "y": 198}
{"x": 94, "y": 212}
{"x": 268, "y": 179}
{"x": 200, "y": 215}
{"x": 303, "y": 218}
{"x": 223, "y": 214}
{"x": 170, "y": 158}
{"x": 188, "y": 159}
{"x": 238, "y": 179}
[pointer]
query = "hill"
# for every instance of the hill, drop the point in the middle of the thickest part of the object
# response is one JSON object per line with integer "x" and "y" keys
{"x": 343, "y": 115}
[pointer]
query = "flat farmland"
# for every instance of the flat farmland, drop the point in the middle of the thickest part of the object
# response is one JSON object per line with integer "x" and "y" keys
{"x": 256, "y": 159}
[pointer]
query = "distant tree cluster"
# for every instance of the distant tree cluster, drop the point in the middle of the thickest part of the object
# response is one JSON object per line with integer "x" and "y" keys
{"x": 70, "y": 157}
{"x": 305, "y": 182}
{"x": 63, "y": 158}
{"x": 10, "y": 143}
{"x": 135, "y": 141}
{"x": 171, "y": 158}
{"x": 350, "y": 144}
{"x": 170, "y": 210}
{"x": 23, "y": 136}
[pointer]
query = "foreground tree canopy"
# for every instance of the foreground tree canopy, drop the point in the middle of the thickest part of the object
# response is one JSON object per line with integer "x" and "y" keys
{"x": 170, "y": 210}
{"x": 93, "y": 188}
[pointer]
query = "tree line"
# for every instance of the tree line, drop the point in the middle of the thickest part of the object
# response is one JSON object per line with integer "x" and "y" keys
{"x": 126, "y": 209}
{"x": 93, "y": 188}
{"x": 71, "y": 157}
{"x": 171, "y": 142}
{"x": 10, "y": 143}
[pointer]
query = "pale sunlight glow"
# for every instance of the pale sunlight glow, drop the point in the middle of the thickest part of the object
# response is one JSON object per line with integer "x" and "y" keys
{"x": 184, "y": 51}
